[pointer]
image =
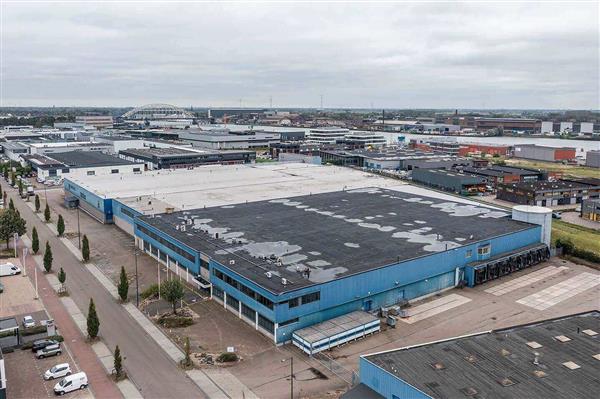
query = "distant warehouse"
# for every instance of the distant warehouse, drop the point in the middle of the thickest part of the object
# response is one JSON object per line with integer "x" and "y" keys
{"x": 172, "y": 157}
{"x": 460, "y": 183}
{"x": 541, "y": 153}
{"x": 549, "y": 193}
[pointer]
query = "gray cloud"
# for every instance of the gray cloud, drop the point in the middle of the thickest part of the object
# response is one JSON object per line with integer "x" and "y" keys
{"x": 537, "y": 55}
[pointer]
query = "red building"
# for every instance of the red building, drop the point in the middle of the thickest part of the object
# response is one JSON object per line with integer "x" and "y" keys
{"x": 466, "y": 149}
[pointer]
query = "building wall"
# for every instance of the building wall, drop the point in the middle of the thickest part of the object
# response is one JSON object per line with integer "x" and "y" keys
{"x": 592, "y": 159}
{"x": 97, "y": 171}
{"x": 97, "y": 207}
{"x": 386, "y": 384}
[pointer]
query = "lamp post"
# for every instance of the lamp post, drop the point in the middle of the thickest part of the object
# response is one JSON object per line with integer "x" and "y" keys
{"x": 78, "y": 228}
{"x": 137, "y": 284}
{"x": 16, "y": 237}
{"x": 25, "y": 252}
{"x": 291, "y": 359}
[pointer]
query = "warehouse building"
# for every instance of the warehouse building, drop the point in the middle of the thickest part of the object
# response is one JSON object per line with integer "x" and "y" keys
{"x": 321, "y": 256}
{"x": 456, "y": 182}
{"x": 549, "y": 193}
{"x": 226, "y": 140}
{"x": 81, "y": 164}
{"x": 556, "y": 358}
{"x": 592, "y": 159}
{"x": 177, "y": 157}
{"x": 524, "y": 174}
{"x": 492, "y": 176}
{"x": 541, "y": 153}
{"x": 590, "y": 209}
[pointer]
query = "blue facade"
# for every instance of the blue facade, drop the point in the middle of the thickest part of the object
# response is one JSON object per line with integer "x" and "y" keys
{"x": 386, "y": 384}
{"x": 364, "y": 291}
{"x": 98, "y": 207}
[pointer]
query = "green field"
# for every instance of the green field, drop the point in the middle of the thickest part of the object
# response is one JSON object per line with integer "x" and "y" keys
{"x": 582, "y": 237}
{"x": 567, "y": 170}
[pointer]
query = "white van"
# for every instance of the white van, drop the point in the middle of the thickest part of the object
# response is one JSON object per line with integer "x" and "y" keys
{"x": 71, "y": 383}
{"x": 8, "y": 269}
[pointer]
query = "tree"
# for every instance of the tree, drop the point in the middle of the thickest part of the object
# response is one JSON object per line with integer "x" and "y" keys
{"x": 85, "y": 248}
{"x": 6, "y": 172}
{"x": 187, "y": 361}
{"x": 37, "y": 203}
{"x": 48, "y": 258}
{"x": 11, "y": 204}
{"x": 118, "y": 363}
{"x": 47, "y": 213}
{"x": 62, "y": 277}
{"x": 12, "y": 179}
{"x": 5, "y": 198}
{"x": 172, "y": 291}
{"x": 60, "y": 225}
{"x": 123, "y": 287}
{"x": 35, "y": 241}
{"x": 93, "y": 323}
{"x": 20, "y": 187}
{"x": 11, "y": 223}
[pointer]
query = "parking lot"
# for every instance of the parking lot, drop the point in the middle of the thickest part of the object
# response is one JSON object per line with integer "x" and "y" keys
{"x": 24, "y": 375}
{"x": 23, "y": 371}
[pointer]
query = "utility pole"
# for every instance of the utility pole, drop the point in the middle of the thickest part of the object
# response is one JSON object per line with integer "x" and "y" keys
{"x": 78, "y": 228}
{"x": 291, "y": 359}
{"x": 36, "y": 283}
{"x": 137, "y": 283}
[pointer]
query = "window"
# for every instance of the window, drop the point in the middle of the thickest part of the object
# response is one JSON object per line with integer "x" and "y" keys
{"x": 233, "y": 303}
{"x": 484, "y": 250}
{"x": 266, "y": 323}
{"x": 91, "y": 173}
{"x": 203, "y": 264}
{"x": 65, "y": 170}
{"x": 312, "y": 297}
{"x": 114, "y": 171}
{"x": 264, "y": 301}
{"x": 82, "y": 195}
{"x": 136, "y": 170}
{"x": 292, "y": 303}
{"x": 469, "y": 253}
{"x": 127, "y": 212}
{"x": 168, "y": 244}
{"x": 217, "y": 292}
{"x": 288, "y": 322}
{"x": 248, "y": 313}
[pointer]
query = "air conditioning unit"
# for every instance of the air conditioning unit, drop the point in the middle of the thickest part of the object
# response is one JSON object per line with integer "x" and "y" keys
{"x": 183, "y": 227}
{"x": 284, "y": 281}
{"x": 190, "y": 221}
{"x": 177, "y": 227}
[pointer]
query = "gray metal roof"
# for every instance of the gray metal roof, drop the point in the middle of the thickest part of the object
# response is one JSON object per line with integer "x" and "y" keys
{"x": 337, "y": 325}
{"x": 502, "y": 364}
{"x": 86, "y": 159}
{"x": 333, "y": 234}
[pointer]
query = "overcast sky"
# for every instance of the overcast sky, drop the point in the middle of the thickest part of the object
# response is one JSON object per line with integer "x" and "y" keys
{"x": 432, "y": 55}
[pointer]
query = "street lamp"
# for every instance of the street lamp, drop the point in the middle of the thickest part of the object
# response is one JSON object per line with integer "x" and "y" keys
{"x": 291, "y": 359}
{"x": 137, "y": 283}
{"x": 25, "y": 252}
{"x": 16, "y": 237}
{"x": 78, "y": 228}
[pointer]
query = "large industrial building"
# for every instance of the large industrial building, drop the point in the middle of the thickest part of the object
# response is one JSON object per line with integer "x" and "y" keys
{"x": 542, "y": 153}
{"x": 549, "y": 193}
{"x": 286, "y": 247}
{"x": 179, "y": 157}
{"x": 555, "y": 358}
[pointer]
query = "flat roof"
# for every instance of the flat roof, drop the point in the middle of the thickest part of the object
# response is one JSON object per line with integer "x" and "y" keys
{"x": 515, "y": 170}
{"x": 84, "y": 159}
{"x": 338, "y": 325}
{"x": 545, "y": 185}
{"x": 334, "y": 234}
{"x": 501, "y": 364}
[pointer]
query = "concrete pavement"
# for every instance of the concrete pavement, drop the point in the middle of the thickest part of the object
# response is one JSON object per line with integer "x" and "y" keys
{"x": 148, "y": 366}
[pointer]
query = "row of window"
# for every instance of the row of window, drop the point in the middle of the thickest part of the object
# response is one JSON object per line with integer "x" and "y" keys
{"x": 247, "y": 311}
{"x": 243, "y": 288}
{"x": 127, "y": 212}
{"x": 167, "y": 244}
{"x": 304, "y": 299}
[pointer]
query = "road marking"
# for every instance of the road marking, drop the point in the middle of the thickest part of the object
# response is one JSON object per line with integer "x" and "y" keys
{"x": 433, "y": 308}
{"x": 561, "y": 292}
{"x": 524, "y": 281}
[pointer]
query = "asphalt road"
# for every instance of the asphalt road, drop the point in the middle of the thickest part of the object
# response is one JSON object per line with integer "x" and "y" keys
{"x": 149, "y": 367}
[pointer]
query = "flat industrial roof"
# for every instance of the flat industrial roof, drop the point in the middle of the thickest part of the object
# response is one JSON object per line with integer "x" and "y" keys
{"x": 544, "y": 185}
{"x": 502, "y": 363}
{"x": 84, "y": 159}
{"x": 334, "y": 234}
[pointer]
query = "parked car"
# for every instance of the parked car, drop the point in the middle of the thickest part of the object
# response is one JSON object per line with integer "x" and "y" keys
{"x": 58, "y": 371}
{"x": 40, "y": 179}
{"x": 71, "y": 383}
{"x": 50, "y": 350}
{"x": 556, "y": 215}
{"x": 41, "y": 344}
{"x": 28, "y": 322}
{"x": 8, "y": 269}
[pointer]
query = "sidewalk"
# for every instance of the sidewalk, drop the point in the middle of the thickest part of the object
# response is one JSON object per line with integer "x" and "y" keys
{"x": 100, "y": 383}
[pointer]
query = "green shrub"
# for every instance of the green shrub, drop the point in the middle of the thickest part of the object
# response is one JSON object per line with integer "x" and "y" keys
{"x": 150, "y": 292}
{"x": 226, "y": 357}
{"x": 570, "y": 249}
{"x": 33, "y": 330}
{"x": 29, "y": 345}
{"x": 172, "y": 321}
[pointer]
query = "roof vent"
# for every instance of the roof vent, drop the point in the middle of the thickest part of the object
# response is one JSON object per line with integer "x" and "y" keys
{"x": 190, "y": 221}
{"x": 534, "y": 345}
{"x": 437, "y": 366}
{"x": 471, "y": 358}
{"x": 232, "y": 262}
{"x": 506, "y": 382}
{"x": 269, "y": 274}
{"x": 562, "y": 338}
{"x": 284, "y": 281}
{"x": 540, "y": 373}
{"x": 469, "y": 391}
{"x": 589, "y": 332}
{"x": 183, "y": 228}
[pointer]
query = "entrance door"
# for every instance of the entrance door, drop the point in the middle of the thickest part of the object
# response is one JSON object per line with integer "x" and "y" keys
{"x": 367, "y": 305}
